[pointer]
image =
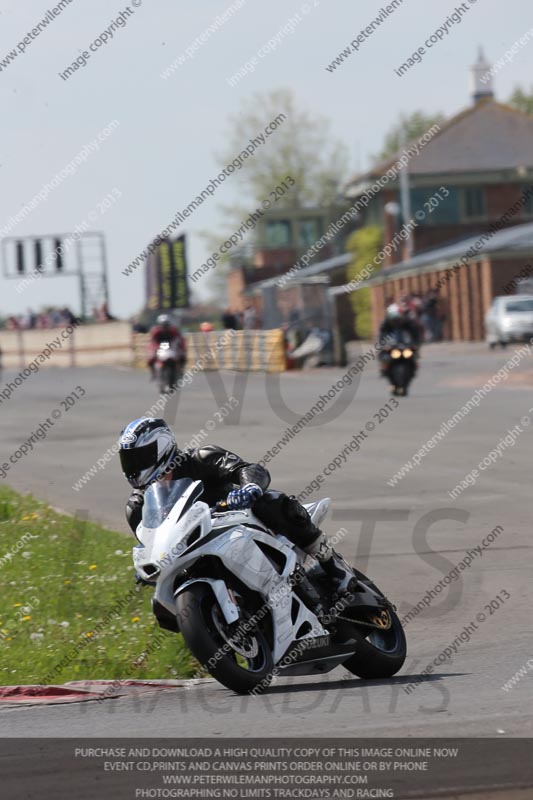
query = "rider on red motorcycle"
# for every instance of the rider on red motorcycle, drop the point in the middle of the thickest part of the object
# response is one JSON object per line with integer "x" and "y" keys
{"x": 164, "y": 331}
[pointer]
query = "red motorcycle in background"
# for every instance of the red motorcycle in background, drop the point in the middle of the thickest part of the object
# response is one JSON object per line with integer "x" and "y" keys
{"x": 167, "y": 354}
{"x": 168, "y": 365}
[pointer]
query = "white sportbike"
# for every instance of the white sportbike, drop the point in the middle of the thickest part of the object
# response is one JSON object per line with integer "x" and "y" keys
{"x": 244, "y": 603}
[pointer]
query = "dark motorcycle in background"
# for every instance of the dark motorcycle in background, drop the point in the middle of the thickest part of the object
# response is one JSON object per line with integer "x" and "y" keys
{"x": 399, "y": 364}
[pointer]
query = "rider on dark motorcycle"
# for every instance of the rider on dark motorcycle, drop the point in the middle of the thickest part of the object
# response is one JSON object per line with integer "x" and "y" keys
{"x": 149, "y": 452}
{"x": 399, "y": 328}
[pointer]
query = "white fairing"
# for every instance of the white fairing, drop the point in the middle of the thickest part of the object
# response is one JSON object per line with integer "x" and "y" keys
{"x": 167, "y": 352}
{"x": 318, "y": 510}
{"x": 178, "y": 542}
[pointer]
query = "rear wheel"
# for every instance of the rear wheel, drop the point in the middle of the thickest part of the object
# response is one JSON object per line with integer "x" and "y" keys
{"x": 381, "y": 652}
{"x": 237, "y": 655}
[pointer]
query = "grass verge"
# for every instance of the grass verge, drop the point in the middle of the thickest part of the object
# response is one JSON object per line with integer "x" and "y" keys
{"x": 70, "y": 609}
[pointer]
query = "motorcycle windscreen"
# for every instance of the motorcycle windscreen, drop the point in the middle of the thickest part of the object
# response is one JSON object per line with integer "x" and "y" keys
{"x": 161, "y": 497}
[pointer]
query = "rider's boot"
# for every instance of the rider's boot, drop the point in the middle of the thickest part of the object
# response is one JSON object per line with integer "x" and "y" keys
{"x": 317, "y": 545}
{"x": 333, "y": 564}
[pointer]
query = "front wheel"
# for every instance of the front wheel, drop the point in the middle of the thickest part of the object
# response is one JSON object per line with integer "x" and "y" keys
{"x": 400, "y": 377}
{"x": 238, "y": 655}
{"x": 168, "y": 374}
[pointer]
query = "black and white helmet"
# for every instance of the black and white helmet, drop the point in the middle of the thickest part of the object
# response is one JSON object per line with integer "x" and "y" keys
{"x": 147, "y": 450}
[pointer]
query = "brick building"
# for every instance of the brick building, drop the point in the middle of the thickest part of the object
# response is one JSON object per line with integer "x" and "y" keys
{"x": 282, "y": 237}
{"x": 467, "y": 276}
{"x": 471, "y": 181}
{"x": 473, "y": 178}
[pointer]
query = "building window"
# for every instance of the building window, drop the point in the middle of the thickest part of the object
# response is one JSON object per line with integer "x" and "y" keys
{"x": 434, "y": 205}
{"x": 308, "y": 232}
{"x": 278, "y": 233}
{"x": 474, "y": 203}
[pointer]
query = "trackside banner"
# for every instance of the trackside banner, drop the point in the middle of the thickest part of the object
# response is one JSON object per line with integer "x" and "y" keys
{"x": 167, "y": 284}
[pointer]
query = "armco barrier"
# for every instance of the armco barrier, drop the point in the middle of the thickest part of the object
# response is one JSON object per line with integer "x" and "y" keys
{"x": 140, "y": 349}
{"x": 113, "y": 343}
{"x": 106, "y": 343}
{"x": 258, "y": 351}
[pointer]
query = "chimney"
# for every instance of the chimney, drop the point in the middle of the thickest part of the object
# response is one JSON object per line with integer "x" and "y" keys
{"x": 482, "y": 84}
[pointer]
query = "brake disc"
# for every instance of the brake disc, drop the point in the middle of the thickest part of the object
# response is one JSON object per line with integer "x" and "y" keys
{"x": 245, "y": 645}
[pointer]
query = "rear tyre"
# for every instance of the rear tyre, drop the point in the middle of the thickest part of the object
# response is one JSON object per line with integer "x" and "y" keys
{"x": 240, "y": 661}
{"x": 380, "y": 653}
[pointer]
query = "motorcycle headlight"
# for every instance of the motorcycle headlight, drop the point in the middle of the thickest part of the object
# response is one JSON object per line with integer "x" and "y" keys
{"x": 407, "y": 353}
{"x": 396, "y": 353}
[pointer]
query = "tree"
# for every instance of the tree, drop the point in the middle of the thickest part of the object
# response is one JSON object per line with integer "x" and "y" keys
{"x": 408, "y": 128}
{"x": 301, "y": 147}
{"x": 522, "y": 101}
{"x": 364, "y": 244}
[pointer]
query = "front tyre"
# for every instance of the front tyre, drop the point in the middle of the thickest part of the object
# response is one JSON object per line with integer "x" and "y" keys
{"x": 168, "y": 376}
{"x": 239, "y": 659}
{"x": 399, "y": 376}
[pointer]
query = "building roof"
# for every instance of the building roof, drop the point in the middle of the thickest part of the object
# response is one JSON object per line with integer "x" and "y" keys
{"x": 304, "y": 275}
{"x": 486, "y": 137}
{"x": 513, "y": 241}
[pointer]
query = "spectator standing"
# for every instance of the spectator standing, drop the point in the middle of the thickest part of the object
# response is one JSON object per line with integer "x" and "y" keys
{"x": 249, "y": 318}
{"x": 229, "y": 320}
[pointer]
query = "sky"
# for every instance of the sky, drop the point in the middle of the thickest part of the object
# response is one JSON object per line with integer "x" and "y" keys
{"x": 161, "y": 151}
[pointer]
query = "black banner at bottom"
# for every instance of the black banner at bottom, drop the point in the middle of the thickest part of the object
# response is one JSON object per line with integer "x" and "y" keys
{"x": 296, "y": 769}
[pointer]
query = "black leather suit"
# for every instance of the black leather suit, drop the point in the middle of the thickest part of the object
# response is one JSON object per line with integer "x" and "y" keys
{"x": 221, "y": 471}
